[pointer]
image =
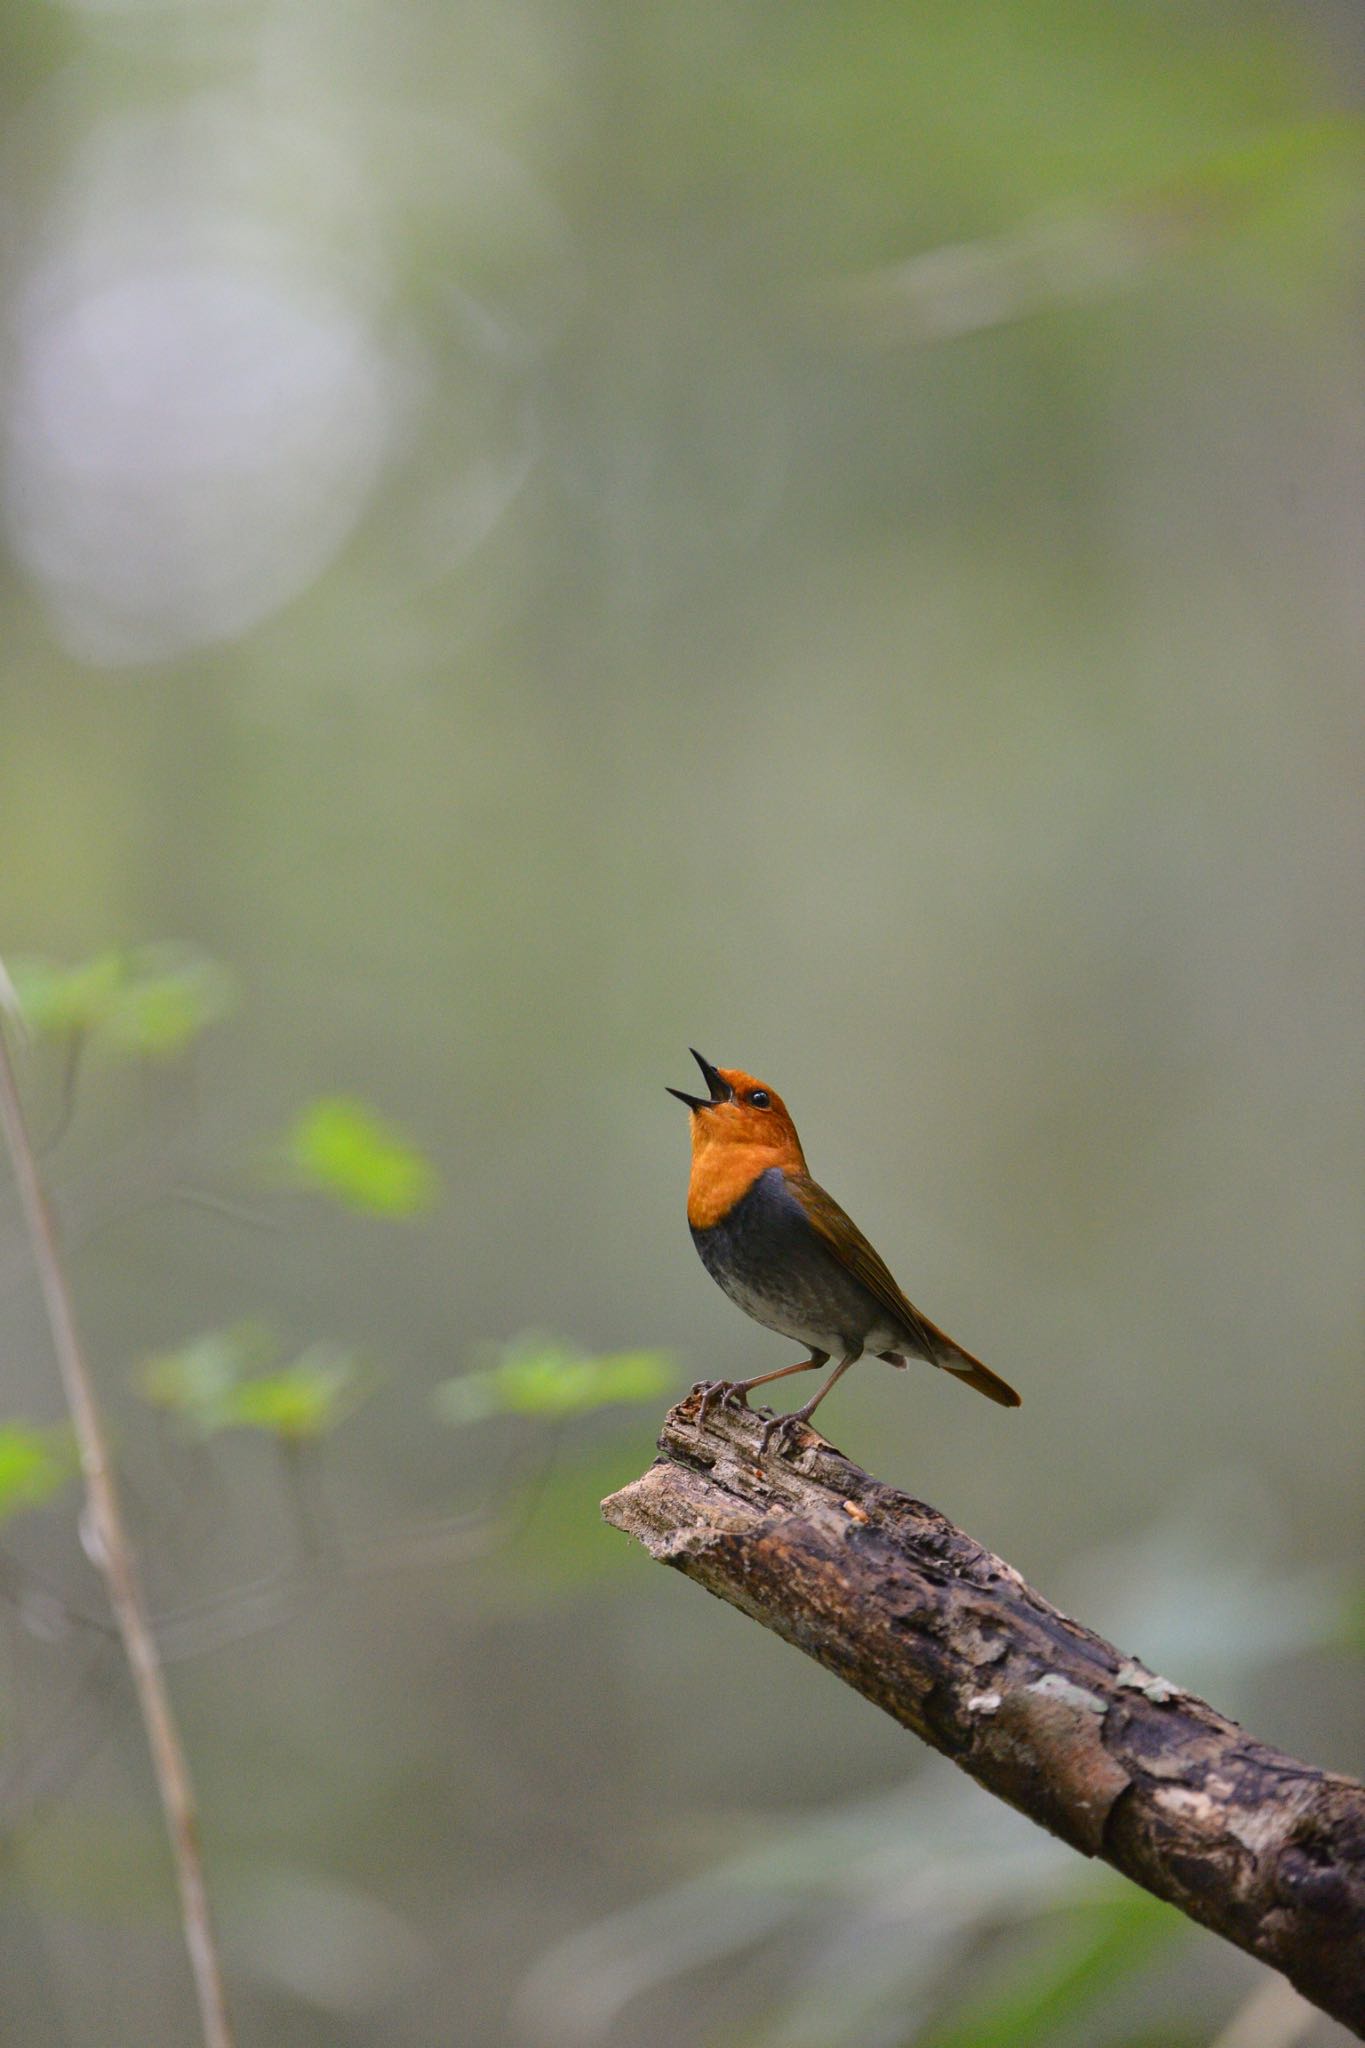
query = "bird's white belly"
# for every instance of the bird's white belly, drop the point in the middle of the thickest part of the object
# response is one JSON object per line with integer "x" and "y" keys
{"x": 802, "y": 1322}
{"x": 778, "y": 1312}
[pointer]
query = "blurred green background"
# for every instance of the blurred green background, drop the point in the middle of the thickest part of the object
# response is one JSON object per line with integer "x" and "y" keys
{"x": 537, "y": 536}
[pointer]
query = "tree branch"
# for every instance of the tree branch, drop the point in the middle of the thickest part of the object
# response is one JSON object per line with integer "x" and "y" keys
{"x": 111, "y": 1550}
{"x": 950, "y": 1641}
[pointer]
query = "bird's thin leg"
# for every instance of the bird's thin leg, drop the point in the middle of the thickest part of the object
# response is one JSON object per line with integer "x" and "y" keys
{"x": 811, "y": 1364}
{"x": 781, "y": 1424}
{"x": 719, "y": 1393}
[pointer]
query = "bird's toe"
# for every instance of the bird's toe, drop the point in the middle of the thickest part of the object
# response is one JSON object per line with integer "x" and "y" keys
{"x": 713, "y": 1394}
{"x": 783, "y": 1431}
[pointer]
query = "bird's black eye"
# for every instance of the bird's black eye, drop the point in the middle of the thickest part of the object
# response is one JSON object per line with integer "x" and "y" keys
{"x": 760, "y": 1098}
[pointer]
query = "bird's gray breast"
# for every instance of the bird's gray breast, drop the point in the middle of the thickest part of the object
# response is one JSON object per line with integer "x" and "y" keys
{"x": 767, "y": 1256}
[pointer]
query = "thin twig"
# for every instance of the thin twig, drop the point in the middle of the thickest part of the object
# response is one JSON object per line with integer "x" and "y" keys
{"x": 113, "y": 1554}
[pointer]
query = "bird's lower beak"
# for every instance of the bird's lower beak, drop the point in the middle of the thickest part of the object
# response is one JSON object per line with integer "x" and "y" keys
{"x": 721, "y": 1091}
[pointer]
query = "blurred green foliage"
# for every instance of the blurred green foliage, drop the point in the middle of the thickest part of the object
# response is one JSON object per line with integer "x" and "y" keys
{"x": 229, "y": 1379}
{"x": 536, "y": 1375}
{"x": 1065, "y": 1973}
{"x": 151, "y": 1000}
{"x": 930, "y": 1917}
{"x": 340, "y": 1147}
{"x": 34, "y": 1464}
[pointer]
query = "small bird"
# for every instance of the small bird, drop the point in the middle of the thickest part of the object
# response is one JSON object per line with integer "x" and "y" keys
{"x": 786, "y": 1252}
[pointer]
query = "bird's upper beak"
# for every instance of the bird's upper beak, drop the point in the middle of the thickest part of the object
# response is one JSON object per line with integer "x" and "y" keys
{"x": 721, "y": 1091}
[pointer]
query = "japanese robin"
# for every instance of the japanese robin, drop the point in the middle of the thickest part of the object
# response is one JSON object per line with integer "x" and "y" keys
{"x": 786, "y": 1252}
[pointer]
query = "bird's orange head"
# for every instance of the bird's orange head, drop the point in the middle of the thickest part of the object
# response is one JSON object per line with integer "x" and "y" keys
{"x": 738, "y": 1133}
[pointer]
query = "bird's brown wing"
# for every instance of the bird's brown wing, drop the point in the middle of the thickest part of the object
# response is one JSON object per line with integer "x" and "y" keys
{"x": 865, "y": 1263}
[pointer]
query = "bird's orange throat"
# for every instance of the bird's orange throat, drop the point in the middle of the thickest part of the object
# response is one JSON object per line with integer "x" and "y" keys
{"x": 726, "y": 1163}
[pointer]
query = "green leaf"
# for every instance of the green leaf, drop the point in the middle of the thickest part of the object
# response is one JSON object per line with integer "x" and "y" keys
{"x": 230, "y": 1379}
{"x": 58, "y": 1000}
{"x": 151, "y": 1001}
{"x": 537, "y": 1375}
{"x": 170, "y": 995}
{"x": 34, "y": 1463}
{"x": 340, "y": 1147}
{"x": 1063, "y": 1973}
{"x": 306, "y": 1399}
{"x": 197, "y": 1381}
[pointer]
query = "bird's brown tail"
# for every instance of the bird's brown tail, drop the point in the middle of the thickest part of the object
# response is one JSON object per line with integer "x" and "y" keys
{"x": 952, "y": 1358}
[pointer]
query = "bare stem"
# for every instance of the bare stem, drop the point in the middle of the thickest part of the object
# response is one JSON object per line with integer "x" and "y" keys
{"x": 112, "y": 1552}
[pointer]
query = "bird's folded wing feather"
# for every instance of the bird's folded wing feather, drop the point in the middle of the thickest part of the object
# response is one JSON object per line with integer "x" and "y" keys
{"x": 859, "y": 1258}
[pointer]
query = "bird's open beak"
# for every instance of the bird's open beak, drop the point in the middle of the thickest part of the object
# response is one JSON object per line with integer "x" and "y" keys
{"x": 721, "y": 1091}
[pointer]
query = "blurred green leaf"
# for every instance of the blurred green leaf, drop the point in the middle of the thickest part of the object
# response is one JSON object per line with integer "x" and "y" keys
{"x": 34, "y": 1463}
{"x": 339, "y": 1146}
{"x": 538, "y": 1375}
{"x": 196, "y": 1381}
{"x": 1087, "y": 248}
{"x": 229, "y": 1379}
{"x": 149, "y": 1000}
{"x": 56, "y": 1000}
{"x": 1063, "y": 1973}
{"x": 306, "y": 1399}
{"x": 170, "y": 994}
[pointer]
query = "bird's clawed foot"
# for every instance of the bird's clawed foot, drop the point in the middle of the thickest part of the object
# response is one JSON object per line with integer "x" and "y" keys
{"x": 784, "y": 1431}
{"x": 718, "y": 1394}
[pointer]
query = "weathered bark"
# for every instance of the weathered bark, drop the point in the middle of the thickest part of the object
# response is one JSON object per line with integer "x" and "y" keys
{"x": 1086, "y": 1741}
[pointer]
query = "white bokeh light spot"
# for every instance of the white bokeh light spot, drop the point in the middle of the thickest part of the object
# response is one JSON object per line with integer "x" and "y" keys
{"x": 189, "y": 442}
